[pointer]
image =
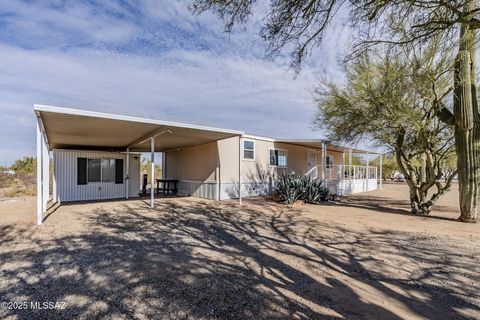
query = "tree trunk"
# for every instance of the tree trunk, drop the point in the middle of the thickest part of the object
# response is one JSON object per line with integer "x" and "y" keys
{"x": 467, "y": 130}
{"x": 416, "y": 197}
{"x": 418, "y": 201}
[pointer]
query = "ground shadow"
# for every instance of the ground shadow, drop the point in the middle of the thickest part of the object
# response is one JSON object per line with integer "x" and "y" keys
{"x": 385, "y": 205}
{"x": 203, "y": 260}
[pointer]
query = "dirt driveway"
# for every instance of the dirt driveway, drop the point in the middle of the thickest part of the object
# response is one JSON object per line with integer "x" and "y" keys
{"x": 361, "y": 258}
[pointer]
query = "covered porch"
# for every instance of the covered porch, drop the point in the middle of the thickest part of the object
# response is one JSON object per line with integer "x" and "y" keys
{"x": 355, "y": 174}
{"x": 88, "y": 135}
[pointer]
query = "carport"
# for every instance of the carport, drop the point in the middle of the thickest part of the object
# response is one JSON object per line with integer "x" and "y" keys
{"x": 72, "y": 129}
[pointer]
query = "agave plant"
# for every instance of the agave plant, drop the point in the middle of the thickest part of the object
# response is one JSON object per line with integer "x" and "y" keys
{"x": 315, "y": 191}
{"x": 289, "y": 188}
{"x": 292, "y": 187}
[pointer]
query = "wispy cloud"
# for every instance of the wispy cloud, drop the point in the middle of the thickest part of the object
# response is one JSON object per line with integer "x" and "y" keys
{"x": 153, "y": 60}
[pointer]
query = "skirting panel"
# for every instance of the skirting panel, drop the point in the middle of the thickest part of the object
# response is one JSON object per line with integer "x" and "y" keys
{"x": 346, "y": 187}
{"x": 229, "y": 190}
{"x": 199, "y": 189}
{"x": 249, "y": 189}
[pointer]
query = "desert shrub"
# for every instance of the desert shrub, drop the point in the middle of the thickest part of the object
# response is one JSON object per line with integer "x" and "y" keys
{"x": 315, "y": 191}
{"x": 17, "y": 184}
{"x": 17, "y": 188}
{"x": 25, "y": 165}
{"x": 7, "y": 192}
{"x": 5, "y": 180}
{"x": 292, "y": 187}
{"x": 289, "y": 188}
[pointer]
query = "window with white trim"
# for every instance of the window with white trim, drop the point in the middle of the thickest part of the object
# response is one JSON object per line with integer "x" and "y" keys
{"x": 249, "y": 149}
{"x": 278, "y": 157}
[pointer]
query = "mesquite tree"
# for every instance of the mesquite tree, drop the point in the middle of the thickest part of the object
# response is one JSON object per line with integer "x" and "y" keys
{"x": 392, "y": 101}
{"x": 450, "y": 20}
{"x": 300, "y": 25}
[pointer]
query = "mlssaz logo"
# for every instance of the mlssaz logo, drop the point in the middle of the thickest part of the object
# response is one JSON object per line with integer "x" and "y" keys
{"x": 47, "y": 305}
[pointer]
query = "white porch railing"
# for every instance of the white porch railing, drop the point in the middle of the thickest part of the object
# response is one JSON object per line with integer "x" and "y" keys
{"x": 343, "y": 172}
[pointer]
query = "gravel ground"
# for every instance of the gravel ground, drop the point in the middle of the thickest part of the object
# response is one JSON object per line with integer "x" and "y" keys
{"x": 363, "y": 257}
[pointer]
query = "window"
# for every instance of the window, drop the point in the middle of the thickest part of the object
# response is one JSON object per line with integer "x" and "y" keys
{"x": 102, "y": 170}
{"x": 329, "y": 163}
{"x": 278, "y": 157}
{"x": 108, "y": 170}
{"x": 94, "y": 170}
{"x": 249, "y": 149}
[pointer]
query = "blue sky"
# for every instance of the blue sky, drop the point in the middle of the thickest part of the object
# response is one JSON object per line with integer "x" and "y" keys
{"x": 150, "y": 59}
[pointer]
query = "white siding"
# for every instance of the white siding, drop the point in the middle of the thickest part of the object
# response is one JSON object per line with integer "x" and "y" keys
{"x": 134, "y": 188}
{"x": 348, "y": 187}
{"x": 65, "y": 170}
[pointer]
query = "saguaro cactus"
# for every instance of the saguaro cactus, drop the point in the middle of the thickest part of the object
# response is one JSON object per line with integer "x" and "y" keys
{"x": 467, "y": 120}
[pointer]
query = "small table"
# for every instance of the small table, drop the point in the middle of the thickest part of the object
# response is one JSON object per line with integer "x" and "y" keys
{"x": 169, "y": 186}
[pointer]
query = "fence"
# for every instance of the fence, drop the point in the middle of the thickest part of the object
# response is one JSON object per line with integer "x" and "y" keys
{"x": 344, "y": 172}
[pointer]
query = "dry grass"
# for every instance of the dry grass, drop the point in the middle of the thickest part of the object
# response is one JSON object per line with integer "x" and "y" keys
{"x": 17, "y": 185}
{"x": 361, "y": 258}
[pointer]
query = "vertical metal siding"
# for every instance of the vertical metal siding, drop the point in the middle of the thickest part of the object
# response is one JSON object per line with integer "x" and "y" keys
{"x": 65, "y": 169}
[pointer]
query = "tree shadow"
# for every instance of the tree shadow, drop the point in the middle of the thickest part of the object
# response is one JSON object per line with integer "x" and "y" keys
{"x": 386, "y": 205}
{"x": 200, "y": 259}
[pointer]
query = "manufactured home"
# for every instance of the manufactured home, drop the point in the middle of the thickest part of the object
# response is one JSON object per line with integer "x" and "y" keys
{"x": 97, "y": 156}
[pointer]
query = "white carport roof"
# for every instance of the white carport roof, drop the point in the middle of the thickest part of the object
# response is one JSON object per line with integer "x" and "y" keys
{"x": 79, "y": 129}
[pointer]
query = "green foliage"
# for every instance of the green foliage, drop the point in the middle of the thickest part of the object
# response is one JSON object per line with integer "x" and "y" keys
{"x": 465, "y": 117}
{"x": 25, "y": 165}
{"x": 145, "y": 167}
{"x": 315, "y": 191}
{"x": 389, "y": 166}
{"x": 289, "y": 188}
{"x": 22, "y": 182}
{"x": 292, "y": 187}
{"x": 392, "y": 99}
{"x": 386, "y": 94}
{"x": 450, "y": 165}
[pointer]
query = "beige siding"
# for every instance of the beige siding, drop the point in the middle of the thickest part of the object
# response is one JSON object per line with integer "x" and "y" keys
{"x": 203, "y": 176}
{"x": 338, "y": 157}
{"x": 297, "y": 160}
{"x": 197, "y": 163}
{"x": 258, "y": 169}
{"x": 218, "y": 161}
{"x": 229, "y": 158}
{"x": 211, "y": 170}
{"x": 207, "y": 162}
{"x": 335, "y": 172}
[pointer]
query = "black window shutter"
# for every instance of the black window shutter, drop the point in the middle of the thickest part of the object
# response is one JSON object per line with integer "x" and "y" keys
{"x": 81, "y": 171}
{"x": 118, "y": 171}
